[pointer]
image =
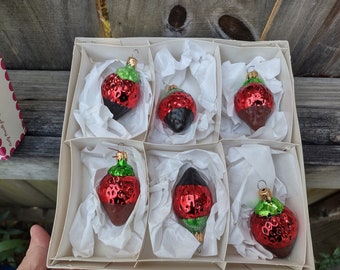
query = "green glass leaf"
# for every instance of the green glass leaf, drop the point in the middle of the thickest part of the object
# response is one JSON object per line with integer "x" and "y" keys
{"x": 269, "y": 208}
{"x": 128, "y": 73}
{"x": 122, "y": 168}
{"x": 195, "y": 225}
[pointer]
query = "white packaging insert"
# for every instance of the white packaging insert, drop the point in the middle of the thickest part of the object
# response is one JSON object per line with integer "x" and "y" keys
{"x": 193, "y": 67}
{"x": 286, "y": 157}
{"x": 247, "y": 165}
{"x": 169, "y": 239}
{"x": 272, "y": 67}
{"x": 90, "y": 117}
{"x": 90, "y": 232}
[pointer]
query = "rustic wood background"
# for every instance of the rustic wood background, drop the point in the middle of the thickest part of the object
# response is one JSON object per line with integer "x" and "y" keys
{"x": 36, "y": 41}
{"x": 39, "y": 34}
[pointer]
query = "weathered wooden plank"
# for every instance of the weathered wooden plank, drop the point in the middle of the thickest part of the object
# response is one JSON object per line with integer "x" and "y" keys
{"x": 39, "y": 34}
{"x": 312, "y": 29}
{"x": 323, "y": 177}
{"x": 316, "y": 194}
{"x": 317, "y": 92}
{"x": 40, "y": 84}
{"x": 29, "y": 168}
{"x": 43, "y": 118}
{"x": 38, "y": 146}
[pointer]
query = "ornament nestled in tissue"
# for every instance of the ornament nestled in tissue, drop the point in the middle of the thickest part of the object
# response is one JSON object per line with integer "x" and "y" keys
{"x": 177, "y": 110}
{"x": 192, "y": 202}
{"x": 273, "y": 225}
{"x": 121, "y": 90}
{"x": 254, "y": 102}
{"x": 119, "y": 190}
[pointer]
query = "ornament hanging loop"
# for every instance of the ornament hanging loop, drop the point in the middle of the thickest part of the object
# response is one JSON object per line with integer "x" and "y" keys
{"x": 119, "y": 154}
{"x": 264, "y": 192}
{"x": 252, "y": 73}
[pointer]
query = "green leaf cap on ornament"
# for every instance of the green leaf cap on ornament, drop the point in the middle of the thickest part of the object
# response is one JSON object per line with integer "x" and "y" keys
{"x": 253, "y": 76}
{"x": 196, "y": 226}
{"x": 122, "y": 168}
{"x": 129, "y": 72}
{"x": 268, "y": 206}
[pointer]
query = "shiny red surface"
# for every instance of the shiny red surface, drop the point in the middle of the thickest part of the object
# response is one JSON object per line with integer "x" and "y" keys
{"x": 119, "y": 190}
{"x": 175, "y": 100}
{"x": 192, "y": 201}
{"x": 254, "y": 103}
{"x": 276, "y": 233}
{"x": 123, "y": 92}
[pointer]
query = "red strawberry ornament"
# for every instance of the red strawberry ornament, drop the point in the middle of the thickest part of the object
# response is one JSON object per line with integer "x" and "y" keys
{"x": 192, "y": 202}
{"x": 274, "y": 225}
{"x": 119, "y": 190}
{"x": 177, "y": 110}
{"x": 121, "y": 90}
{"x": 254, "y": 102}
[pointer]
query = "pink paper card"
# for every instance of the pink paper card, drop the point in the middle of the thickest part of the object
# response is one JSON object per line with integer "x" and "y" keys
{"x": 12, "y": 127}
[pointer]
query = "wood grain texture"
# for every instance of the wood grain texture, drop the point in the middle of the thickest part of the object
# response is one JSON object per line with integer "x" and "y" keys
{"x": 39, "y": 34}
{"x": 313, "y": 30}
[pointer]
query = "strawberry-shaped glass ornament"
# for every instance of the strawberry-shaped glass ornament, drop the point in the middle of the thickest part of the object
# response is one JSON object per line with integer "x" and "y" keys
{"x": 192, "y": 202}
{"x": 119, "y": 190}
{"x": 121, "y": 90}
{"x": 273, "y": 224}
{"x": 254, "y": 102}
{"x": 177, "y": 110}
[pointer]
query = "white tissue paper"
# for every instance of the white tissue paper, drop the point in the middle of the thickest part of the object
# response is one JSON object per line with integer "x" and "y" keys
{"x": 195, "y": 73}
{"x": 95, "y": 119}
{"x": 233, "y": 77}
{"x": 169, "y": 238}
{"x": 91, "y": 222}
{"x": 248, "y": 164}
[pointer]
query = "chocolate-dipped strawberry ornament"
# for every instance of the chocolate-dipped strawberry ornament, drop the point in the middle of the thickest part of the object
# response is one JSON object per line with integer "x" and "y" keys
{"x": 119, "y": 190}
{"x": 192, "y": 202}
{"x": 121, "y": 90}
{"x": 254, "y": 102}
{"x": 177, "y": 110}
{"x": 273, "y": 224}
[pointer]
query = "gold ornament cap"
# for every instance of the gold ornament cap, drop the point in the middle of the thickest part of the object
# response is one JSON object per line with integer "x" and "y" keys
{"x": 131, "y": 61}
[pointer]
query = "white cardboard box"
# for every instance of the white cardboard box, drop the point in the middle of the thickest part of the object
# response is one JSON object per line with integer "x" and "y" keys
{"x": 72, "y": 187}
{"x": 12, "y": 127}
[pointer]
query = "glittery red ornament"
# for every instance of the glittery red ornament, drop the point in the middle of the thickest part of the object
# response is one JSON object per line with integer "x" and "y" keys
{"x": 121, "y": 91}
{"x": 254, "y": 102}
{"x": 177, "y": 110}
{"x": 119, "y": 190}
{"x": 192, "y": 202}
{"x": 274, "y": 225}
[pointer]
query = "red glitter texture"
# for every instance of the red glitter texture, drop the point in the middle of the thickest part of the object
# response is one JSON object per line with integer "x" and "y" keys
{"x": 176, "y": 100}
{"x": 122, "y": 92}
{"x": 119, "y": 189}
{"x": 254, "y": 104}
{"x": 276, "y": 233}
{"x": 192, "y": 201}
